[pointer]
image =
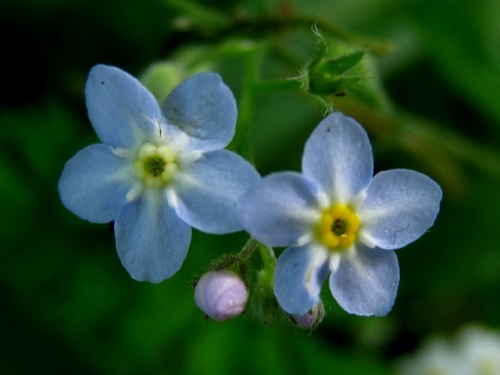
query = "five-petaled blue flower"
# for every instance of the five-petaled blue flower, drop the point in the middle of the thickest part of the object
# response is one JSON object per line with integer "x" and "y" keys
{"x": 159, "y": 170}
{"x": 337, "y": 219}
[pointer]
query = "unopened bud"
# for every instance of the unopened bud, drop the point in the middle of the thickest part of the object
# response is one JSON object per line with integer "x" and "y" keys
{"x": 161, "y": 78}
{"x": 311, "y": 319}
{"x": 330, "y": 76}
{"x": 221, "y": 295}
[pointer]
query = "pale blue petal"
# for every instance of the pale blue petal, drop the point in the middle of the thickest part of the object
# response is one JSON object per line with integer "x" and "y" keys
{"x": 300, "y": 273}
{"x": 399, "y": 207}
{"x": 339, "y": 157}
{"x": 281, "y": 209}
{"x": 152, "y": 242}
{"x": 123, "y": 112}
{"x": 207, "y": 193}
{"x": 366, "y": 281}
{"x": 205, "y": 109}
{"x": 95, "y": 182}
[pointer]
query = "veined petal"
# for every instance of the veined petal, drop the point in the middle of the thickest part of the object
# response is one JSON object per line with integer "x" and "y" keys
{"x": 152, "y": 241}
{"x": 400, "y": 205}
{"x": 279, "y": 210}
{"x": 205, "y": 109}
{"x": 123, "y": 112}
{"x": 338, "y": 156}
{"x": 95, "y": 182}
{"x": 207, "y": 193}
{"x": 366, "y": 281}
{"x": 300, "y": 273}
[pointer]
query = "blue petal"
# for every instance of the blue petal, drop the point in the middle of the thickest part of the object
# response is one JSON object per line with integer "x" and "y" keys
{"x": 123, "y": 112}
{"x": 209, "y": 190}
{"x": 205, "y": 109}
{"x": 281, "y": 209}
{"x": 95, "y": 182}
{"x": 300, "y": 273}
{"x": 339, "y": 157}
{"x": 366, "y": 281}
{"x": 399, "y": 207}
{"x": 152, "y": 241}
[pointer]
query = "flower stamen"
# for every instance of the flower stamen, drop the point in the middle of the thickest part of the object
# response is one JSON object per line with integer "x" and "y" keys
{"x": 337, "y": 227}
{"x": 155, "y": 165}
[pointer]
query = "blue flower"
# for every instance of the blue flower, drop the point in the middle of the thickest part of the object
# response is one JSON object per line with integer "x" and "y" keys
{"x": 339, "y": 220}
{"x": 159, "y": 170}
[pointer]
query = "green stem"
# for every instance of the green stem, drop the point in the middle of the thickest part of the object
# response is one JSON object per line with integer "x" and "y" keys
{"x": 266, "y": 253}
{"x": 200, "y": 14}
{"x": 247, "y": 251}
{"x": 417, "y": 134}
{"x": 376, "y": 47}
{"x": 241, "y": 141}
{"x": 203, "y": 17}
{"x": 416, "y": 128}
{"x": 269, "y": 262}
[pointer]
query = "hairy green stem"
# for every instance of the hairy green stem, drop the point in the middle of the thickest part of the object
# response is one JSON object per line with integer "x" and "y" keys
{"x": 247, "y": 251}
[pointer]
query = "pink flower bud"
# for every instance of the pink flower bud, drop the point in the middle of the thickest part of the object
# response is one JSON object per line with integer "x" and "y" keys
{"x": 221, "y": 295}
{"x": 311, "y": 319}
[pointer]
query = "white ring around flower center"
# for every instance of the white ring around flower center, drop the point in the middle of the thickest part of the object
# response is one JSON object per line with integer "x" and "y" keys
{"x": 156, "y": 165}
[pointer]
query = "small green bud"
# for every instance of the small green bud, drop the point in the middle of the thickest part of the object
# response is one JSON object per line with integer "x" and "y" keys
{"x": 341, "y": 64}
{"x": 326, "y": 76}
{"x": 329, "y": 76}
{"x": 161, "y": 78}
{"x": 325, "y": 85}
{"x": 321, "y": 47}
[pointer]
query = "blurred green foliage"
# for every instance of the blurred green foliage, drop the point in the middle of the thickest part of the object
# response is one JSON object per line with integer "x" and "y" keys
{"x": 67, "y": 304}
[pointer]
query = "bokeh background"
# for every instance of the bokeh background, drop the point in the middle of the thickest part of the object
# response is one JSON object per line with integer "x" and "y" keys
{"x": 68, "y": 307}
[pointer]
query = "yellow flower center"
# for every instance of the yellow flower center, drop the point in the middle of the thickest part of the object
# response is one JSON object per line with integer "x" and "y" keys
{"x": 155, "y": 165}
{"x": 337, "y": 227}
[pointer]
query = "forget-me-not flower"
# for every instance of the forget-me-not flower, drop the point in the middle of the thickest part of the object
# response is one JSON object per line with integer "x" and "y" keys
{"x": 339, "y": 220}
{"x": 159, "y": 170}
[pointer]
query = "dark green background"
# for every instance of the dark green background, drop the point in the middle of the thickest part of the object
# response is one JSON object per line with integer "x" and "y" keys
{"x": 67, "y": 305}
